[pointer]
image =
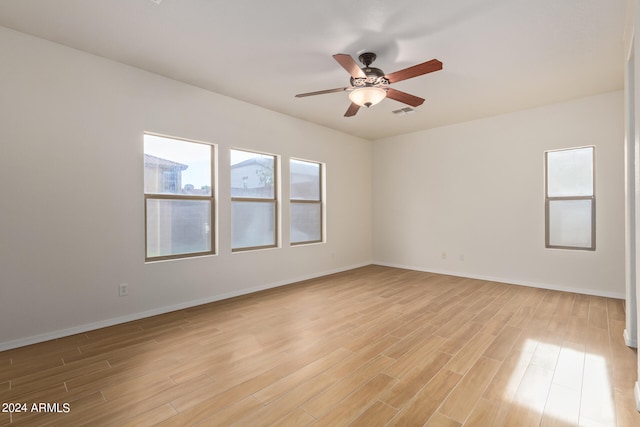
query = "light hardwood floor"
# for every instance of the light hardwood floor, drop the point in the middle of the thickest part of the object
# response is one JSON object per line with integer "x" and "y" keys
{"x": 373, "y": 346}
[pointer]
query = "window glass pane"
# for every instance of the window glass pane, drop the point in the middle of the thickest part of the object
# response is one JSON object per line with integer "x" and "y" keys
{"x": 253, "y": 224}
{"x": 570, "y": 223}
{"x": 305, "y": 180}
{"x": 252, "y": 175}
{"x": 177, "y": 227}
{"x": 570, "y": 172}
{"x": 174, "y": 166}
{"x": 305, "y": 222}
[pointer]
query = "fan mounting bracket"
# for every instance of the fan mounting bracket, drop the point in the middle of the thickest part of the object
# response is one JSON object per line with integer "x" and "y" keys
{"x": 367, "y": 58}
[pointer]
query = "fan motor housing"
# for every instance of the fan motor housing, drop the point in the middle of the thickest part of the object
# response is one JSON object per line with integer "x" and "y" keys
{"x": 372, "y": 71}
{"x": 375, "y": 77}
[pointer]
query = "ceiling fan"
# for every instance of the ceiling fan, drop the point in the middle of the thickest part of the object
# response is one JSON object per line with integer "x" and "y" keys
{"x": 370, "y": 85}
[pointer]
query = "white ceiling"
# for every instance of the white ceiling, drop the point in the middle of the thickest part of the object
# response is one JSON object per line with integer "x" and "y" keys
{"x": 498, "y": 55}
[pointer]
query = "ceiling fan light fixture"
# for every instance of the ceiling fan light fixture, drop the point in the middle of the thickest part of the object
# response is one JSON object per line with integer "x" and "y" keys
{"x": 367, "y": 96}
{"x": 370, "y": 85}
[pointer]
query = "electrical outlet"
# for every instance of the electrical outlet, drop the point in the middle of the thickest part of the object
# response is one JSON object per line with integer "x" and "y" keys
{"x": 443, "y": 255}
{"x": 123, "y": 289}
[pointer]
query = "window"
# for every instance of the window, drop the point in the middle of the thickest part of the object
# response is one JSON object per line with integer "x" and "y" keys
{"x": 306, "y": 201}
{"x": 178, "y": 197}
{"x": 253, "y": 200}
{"x": 570, "y": 199}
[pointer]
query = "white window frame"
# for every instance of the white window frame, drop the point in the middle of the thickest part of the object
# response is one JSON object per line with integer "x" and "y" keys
{"x": 181, "y": 197}
{"x": 319, "y": 202}
{"x": 549, "y": 200}
{"x": 274, "y": 201}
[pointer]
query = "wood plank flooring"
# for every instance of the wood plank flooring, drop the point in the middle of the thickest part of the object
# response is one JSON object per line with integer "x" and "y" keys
{"x": 373, "y": 346}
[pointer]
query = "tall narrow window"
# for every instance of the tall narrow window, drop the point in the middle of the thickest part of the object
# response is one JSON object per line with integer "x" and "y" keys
{"x": 253, "y": 200}
{"x": 178, "y": 197}
{"x": 306, "y": 201}
{"x": 570, "y": 199}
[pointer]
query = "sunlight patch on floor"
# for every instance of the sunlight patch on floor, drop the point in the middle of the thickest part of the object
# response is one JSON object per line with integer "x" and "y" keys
{"x": 564, "y": 384}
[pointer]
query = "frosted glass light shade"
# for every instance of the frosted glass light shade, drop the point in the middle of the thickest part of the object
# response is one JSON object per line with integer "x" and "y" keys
{"x": 367, "y": 96}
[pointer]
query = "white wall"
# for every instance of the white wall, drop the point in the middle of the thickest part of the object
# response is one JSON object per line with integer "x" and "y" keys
{"x": 476, "y": 191}
{"x": 632, "y": 163}
{"x": 71, "y": 222}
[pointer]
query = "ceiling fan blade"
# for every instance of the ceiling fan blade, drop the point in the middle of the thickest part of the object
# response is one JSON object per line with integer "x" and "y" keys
{"x": 321, "y": 92}
{"x": 405, "y": 98}
{"x": 349, "y": 64}
{"x": 416, "y": 70}
{"x": 352, "y": 110}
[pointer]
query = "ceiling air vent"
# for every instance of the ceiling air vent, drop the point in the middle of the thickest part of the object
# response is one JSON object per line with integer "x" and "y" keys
{"x": 405, "y": 110}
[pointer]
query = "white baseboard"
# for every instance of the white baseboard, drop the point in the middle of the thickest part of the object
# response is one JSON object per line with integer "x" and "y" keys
{"x": 508, "y": 281}
{"x": 21, "y": 342}
{"x": 630, "y": 342}
{"x": 636, "y": 392}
